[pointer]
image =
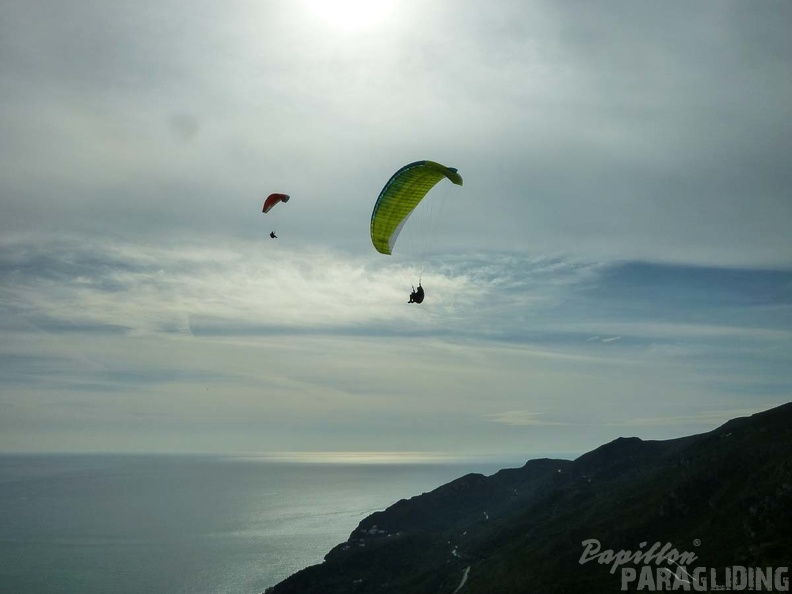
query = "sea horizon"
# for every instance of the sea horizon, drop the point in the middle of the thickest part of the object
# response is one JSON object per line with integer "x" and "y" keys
{"x": 194, "y": 522}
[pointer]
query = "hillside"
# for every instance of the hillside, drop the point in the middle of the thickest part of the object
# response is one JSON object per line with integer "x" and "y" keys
{"x": 724, "y": 496}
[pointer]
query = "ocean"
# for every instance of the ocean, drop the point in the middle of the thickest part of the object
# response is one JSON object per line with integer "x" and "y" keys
{"x": 122, "y": 523}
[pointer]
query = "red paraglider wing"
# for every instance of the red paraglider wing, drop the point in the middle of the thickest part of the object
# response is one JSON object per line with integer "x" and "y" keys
{"x": 272, "y": 200}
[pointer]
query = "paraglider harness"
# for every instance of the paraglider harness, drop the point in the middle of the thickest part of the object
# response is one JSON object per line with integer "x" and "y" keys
{"x": 272, "y": 235}
{"x": 417, "y": 295}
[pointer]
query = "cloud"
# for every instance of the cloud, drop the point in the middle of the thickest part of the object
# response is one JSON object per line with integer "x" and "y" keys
{"x": 271, "y": 289}
{"x": 604, "y": 340}
{"x": 265, "y": 288}
{"x": 593, "y": 137}
{"x": 710, "y": 418}
{"x": 523, "y": 418}
{"x": 620, "y": 243}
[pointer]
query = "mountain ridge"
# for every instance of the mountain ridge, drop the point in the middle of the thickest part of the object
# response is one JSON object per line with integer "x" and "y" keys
{"x": 523, "y": 529}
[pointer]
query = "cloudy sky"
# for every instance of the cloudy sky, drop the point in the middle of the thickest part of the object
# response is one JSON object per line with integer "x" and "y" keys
{"x": 618, "y": 261}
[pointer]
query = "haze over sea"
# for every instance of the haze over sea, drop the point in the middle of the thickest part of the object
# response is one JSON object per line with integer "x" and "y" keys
{"x": 92, "y": 523}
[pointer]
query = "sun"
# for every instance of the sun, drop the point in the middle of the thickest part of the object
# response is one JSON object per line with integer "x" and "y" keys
{"x": 351, "y": 15}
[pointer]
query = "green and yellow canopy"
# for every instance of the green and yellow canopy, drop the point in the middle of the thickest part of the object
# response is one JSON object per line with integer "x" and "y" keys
{"x": 404, "y": 190}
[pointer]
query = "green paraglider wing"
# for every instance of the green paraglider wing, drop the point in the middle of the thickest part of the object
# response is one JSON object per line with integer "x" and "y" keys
{"x": 404, "y": 190}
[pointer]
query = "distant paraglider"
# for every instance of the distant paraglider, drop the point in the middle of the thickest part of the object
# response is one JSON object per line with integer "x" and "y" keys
{"x": 271, "y": 201}
{"x": 397, "y": 201}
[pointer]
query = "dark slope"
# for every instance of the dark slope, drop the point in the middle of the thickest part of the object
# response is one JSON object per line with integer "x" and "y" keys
{"x": 725, "y": 496}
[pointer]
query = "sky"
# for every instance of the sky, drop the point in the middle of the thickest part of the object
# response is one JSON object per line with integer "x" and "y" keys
{"x": 617, "y": 263}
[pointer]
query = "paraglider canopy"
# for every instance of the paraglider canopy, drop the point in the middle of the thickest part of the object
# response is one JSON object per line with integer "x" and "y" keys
{"x": 404, "y": 190}
{"x": 272, "y": 200}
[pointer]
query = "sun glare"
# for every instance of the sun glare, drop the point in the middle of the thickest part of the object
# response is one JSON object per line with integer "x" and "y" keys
{"x": 351, "y": 15}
